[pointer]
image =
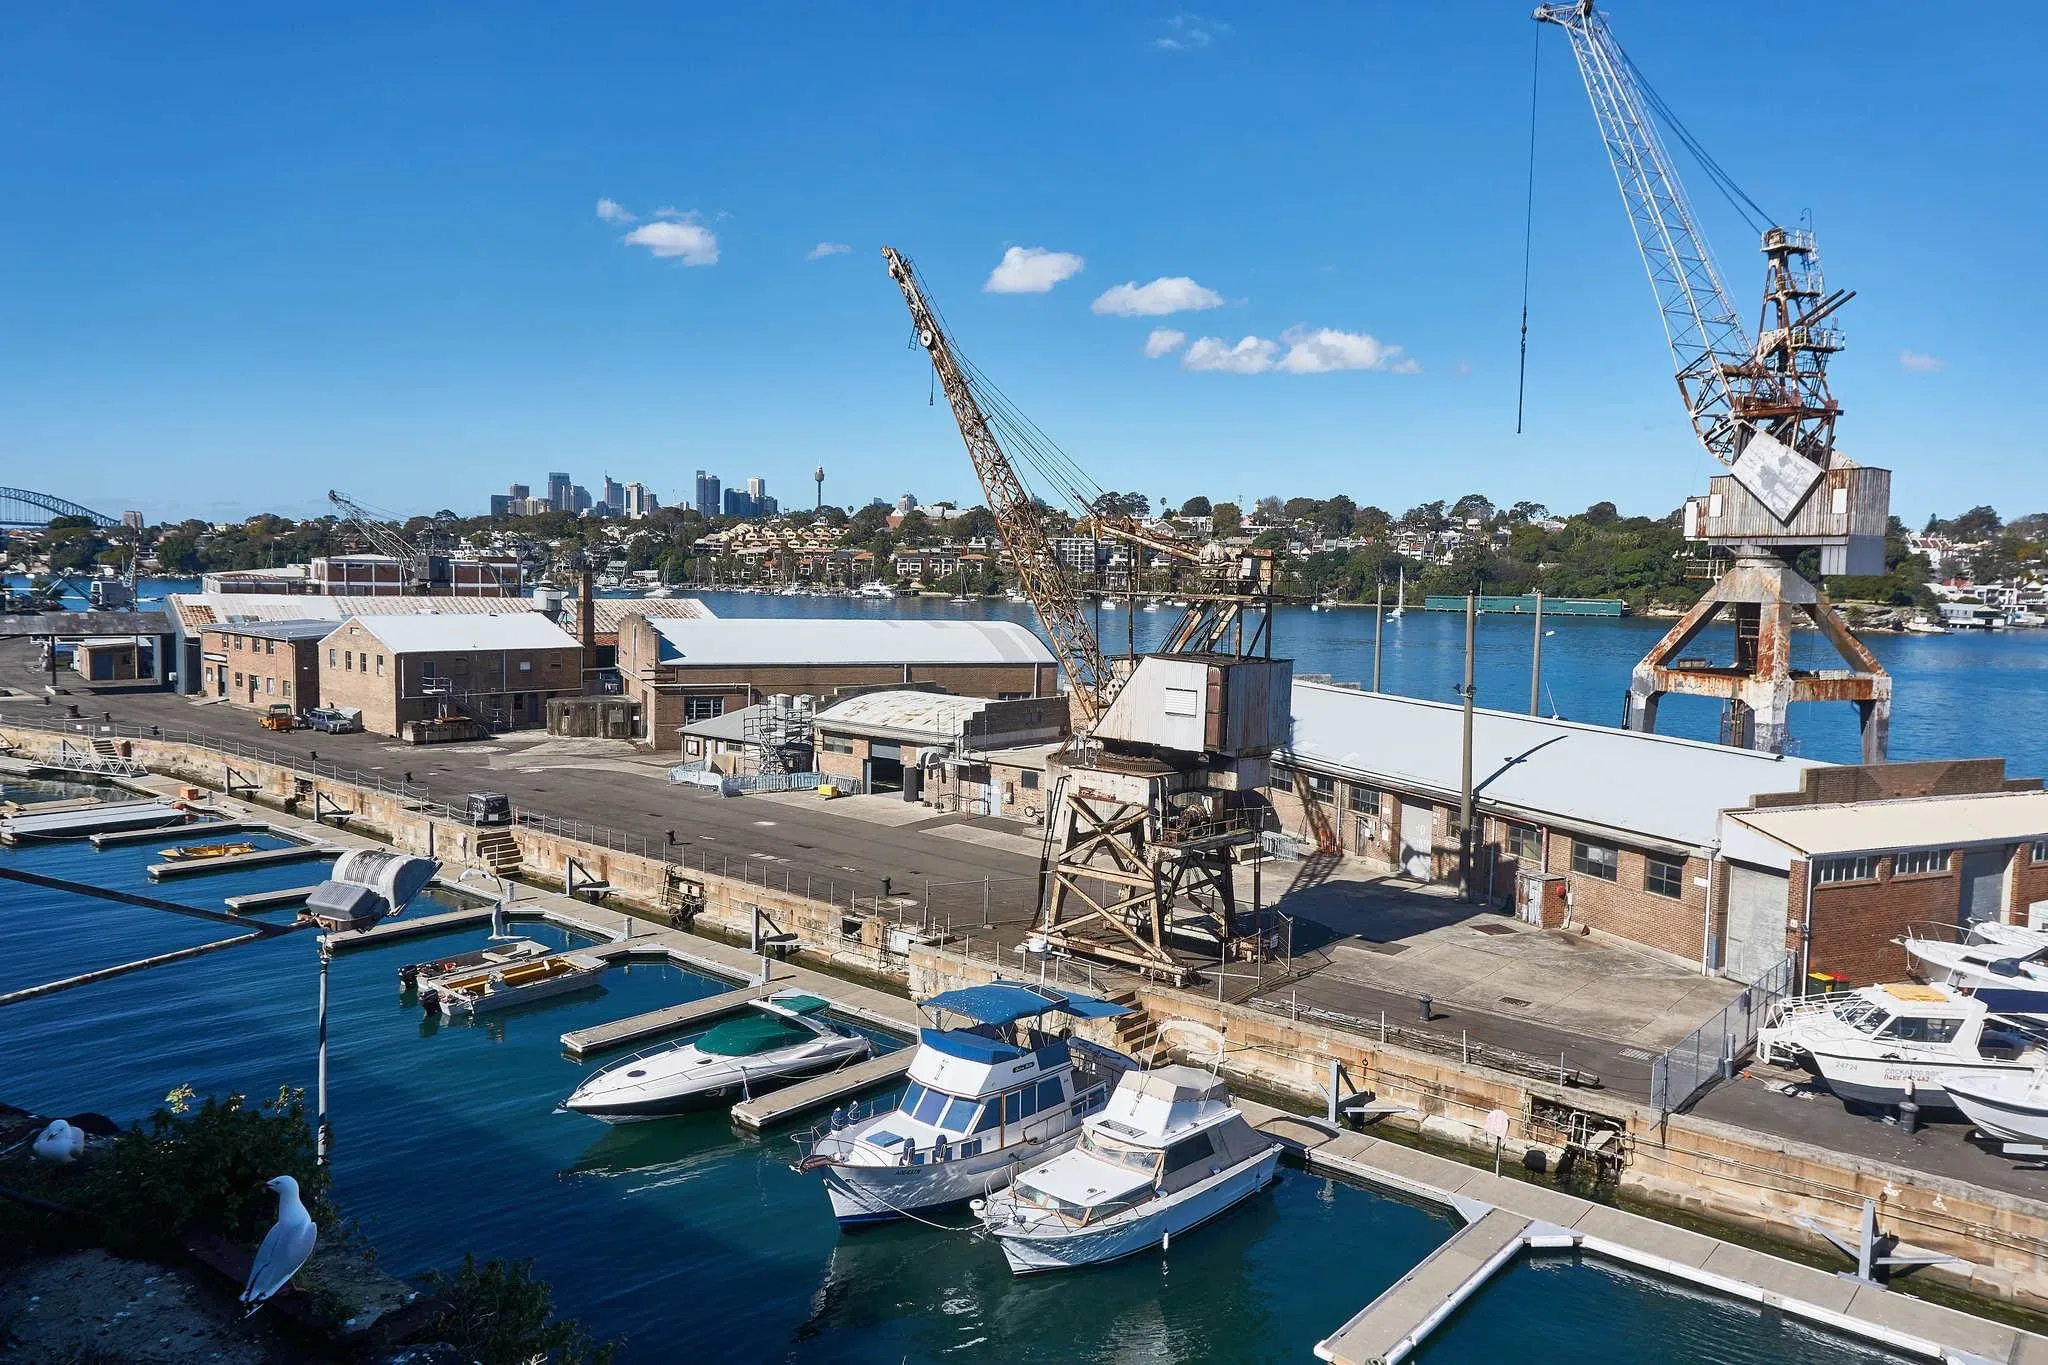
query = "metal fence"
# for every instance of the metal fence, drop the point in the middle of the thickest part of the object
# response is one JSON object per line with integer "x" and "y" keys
{"x": 1709, "y": 1052}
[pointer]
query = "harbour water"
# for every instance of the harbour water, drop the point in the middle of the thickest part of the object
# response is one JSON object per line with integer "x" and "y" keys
{"x": 688, "y": 1238}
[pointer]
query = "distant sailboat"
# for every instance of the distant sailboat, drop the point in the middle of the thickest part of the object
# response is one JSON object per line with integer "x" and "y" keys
{"x": 1400, "y": 594}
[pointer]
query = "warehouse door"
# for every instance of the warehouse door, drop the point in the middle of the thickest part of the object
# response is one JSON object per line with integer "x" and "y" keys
{"x": 1418, "y": 833}
{"x": 884, "y": 771}
{"x": 1983, "y": 895}
{"x": 1756, "y": 921}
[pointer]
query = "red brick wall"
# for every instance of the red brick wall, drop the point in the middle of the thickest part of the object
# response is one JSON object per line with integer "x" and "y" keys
{"x": 271, "y": 670}
{"x": 1625, "y": 907}
{"x": 1854, "y": 923}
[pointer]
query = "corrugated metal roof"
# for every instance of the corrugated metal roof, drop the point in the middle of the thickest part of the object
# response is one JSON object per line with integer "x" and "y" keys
{"x": 279, "y": 630}
{"x": 760, "y": 641}
{"x": 1653, "y": 785}
{"x": 198, "y": 609}
{"x": 1920, "y": 822}
{"x": 612, "y": 610}
{"x": 427, "y": 634}
{"x": 936, "y": 715}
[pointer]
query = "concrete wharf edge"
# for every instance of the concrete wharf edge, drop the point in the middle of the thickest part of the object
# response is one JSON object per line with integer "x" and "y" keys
{"x": 621, "y": 1032}
{"x": 238, "y": 862}
{"x": 768, "y": 1110}
{"x": 1396, "y": 1322}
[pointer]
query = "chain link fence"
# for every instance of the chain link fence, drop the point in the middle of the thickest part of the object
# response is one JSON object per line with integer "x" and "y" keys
{"x": 1709, "y": 1053}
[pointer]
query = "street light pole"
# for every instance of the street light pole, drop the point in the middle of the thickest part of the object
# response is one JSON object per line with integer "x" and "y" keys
{"x": 1536, "y": 660}
{"x": 320, "y": 1097}
{"x": 1465, "y": 778}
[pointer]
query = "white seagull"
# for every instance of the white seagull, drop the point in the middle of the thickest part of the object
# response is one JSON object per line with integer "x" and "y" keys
{"x": 60, "y": 1142}
{"x": 285, "y": 1247}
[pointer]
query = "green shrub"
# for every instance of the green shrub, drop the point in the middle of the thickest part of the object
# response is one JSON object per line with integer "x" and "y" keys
{"x": 500, "y": 1315}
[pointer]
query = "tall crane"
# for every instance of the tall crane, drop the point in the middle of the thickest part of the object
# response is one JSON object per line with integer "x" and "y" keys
{"x": 1760, "y": 406}
{"x": 417, "y": 570}
{"x": 1159, "y": 798}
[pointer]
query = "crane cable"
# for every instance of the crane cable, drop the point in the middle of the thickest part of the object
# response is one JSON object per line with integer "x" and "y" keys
{"x": 1528, "y": 234}
{"x": 1750, "y": 211}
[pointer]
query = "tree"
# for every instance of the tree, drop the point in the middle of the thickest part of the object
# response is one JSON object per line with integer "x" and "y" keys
{"x": 1121, "y": 505}
{"x": 1269, "y": 508}
{"x": 1371, "y": 522}
{"x": 1528, "y": 512}
{"x": 1472, "y": 507}
{"x": 1197, "y": 506}
{"x": 1336, "y": 516}
{"x": 1428, "y": 516}
{"x": 862, "y": 527}
{"x": 976, "y": 523}
{"x": 1301, "y": 509}
{"x": 1225, "y": 519}
{"x": 1603, "y": 514}
{"x": 915, "y": 525}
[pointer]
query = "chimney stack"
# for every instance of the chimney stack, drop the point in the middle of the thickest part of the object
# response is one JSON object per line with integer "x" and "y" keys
{"x": 586, "y": 618}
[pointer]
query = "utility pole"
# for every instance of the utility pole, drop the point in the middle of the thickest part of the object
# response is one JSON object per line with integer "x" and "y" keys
{"x": 1465, "y": 779}
{"x": 1536, "y": 661}
{"x": 1379, "y": 612}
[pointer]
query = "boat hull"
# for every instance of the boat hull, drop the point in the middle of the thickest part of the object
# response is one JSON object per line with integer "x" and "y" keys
{"x": 865, "y": 1195}
{"x": 1883, "y": 1081}
{"x": 1146, "y": 1227}
{"x": 452, "y": 1003}
{"x": 2007, "y": 1119}
{"x": 695, "y": 1094}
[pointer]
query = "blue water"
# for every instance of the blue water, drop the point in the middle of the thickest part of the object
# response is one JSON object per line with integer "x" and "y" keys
{"x": 694, "y": 1241}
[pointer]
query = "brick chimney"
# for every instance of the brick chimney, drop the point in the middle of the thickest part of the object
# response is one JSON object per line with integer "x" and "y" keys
{"x": 586, "y": 618}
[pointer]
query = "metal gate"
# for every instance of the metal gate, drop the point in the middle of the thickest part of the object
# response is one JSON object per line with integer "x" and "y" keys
{"x": 1756, "y": 921}
{"x": 1712, "y": 1050}
{"x": 1418, "y": 833}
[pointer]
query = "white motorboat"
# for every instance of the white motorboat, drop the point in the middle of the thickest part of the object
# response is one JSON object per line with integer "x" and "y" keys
{"x": 984, "y": 1100}
{"x": 2011, "y": 1106}
{"x": 486, "y": 990}
{"x": 875, "y": 588}
{"x": 424, "y": 974}
{"x": 2006, "y": 969}
{"x": 784, "y": 1037}
{"x": 1166, "y": 1154}
{"x": 1884, "y": 1044}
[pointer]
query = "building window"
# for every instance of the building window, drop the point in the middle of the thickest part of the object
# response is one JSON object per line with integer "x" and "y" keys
{"x": 1831, "y": 870}
{"x": 1664, "y": 876}
{"x": 526, "y": 665}
{"x": 1920, "y": 862}
{"x": 330, "y": 658}
{"x": 2041, "y": 850}
{"x": 1321, "y": 787}
{"x": 238, "y": 642}
{"x": 1365, "y": 800}
{"x": 836, "y": 744}
{"x": 268, "y": 684}
{"x": 1013, "y": 696}
{"x": 1283, "y": 779}
{"x": 702, "y": 708}
{"x": 1029, "y": 781}
{"x": 1525, "y": 842}
{"x": 270, "y": 646}
{"x": 380, "y": 665}
{"x": 1596, "y": 860}
{"x": 287, "y": 687}
{"x": 348, "y": 660}
{"x": 238, "y": 678}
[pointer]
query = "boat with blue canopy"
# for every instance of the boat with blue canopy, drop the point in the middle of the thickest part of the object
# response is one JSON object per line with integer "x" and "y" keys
{"x": 992, "y": 1091}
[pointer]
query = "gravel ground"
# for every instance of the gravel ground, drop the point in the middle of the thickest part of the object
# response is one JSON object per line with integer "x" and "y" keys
{"x": 90, "y": 1306}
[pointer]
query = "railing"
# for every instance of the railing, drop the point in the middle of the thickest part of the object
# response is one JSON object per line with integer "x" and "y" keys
{"x": 789, "y": 782}
{"x": 1709, "y": 1052}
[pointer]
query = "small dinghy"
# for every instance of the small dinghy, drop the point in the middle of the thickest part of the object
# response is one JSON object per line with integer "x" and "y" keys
{"x": 424, "y": 974}
{"x": 490, "y": 989}
{"x": 192, "y": 853}
{"x": 782, "y": 1038}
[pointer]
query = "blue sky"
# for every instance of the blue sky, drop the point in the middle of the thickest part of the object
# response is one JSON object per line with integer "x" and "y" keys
{"x": 248, "y": 254}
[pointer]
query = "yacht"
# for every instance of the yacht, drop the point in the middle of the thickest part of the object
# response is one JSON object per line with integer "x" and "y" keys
{"x": 486, "y": 989}
{"x": 1167, "y": 1153}
{"x": 985, "y": 1097}
{"x": 505, "y": 953}
{"x": 875, "y": 588}
{"x": 1400, "y": 593}
{"x": 1883, "y": 1044}
{"x": 784, "y": 1037}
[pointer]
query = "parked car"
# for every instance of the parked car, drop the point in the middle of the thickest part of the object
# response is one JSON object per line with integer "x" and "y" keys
{"x": 280, "y": 716}
{"x": 335, "y": 720}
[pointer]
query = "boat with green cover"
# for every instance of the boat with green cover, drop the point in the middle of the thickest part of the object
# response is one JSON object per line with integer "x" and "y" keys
{"x": 784, "y": 1037}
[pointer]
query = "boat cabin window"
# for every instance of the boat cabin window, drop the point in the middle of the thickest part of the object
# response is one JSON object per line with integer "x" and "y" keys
{"x": 1049, "y": 1092}
{"x": 930, "y": 1107}
{"x": 991, "y": 1115}
{"x": 1916, "y": 1029}
{"x": 959, "y": 1116}
{"x": 1100, "y": 1144}
{"x": 1019, "y": 1105}
{"x": 908, "y": 1105}
{"x": 1860, "y": 1015}
{"x": 1188, "y": 1151}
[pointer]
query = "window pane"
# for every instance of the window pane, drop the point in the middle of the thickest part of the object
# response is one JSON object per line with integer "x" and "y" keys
{"x": 1049, "y": 1092}
{"x": 1029, "y": 1098}
{"x": 910, "y": 1098}
{"x": 1013, "y": 1106}
{"x": 959, "y": 1116}
{"x": 930, "y": 1107}
{"x": 991, "y": 1114}
{"x": 1188, "y": 1151}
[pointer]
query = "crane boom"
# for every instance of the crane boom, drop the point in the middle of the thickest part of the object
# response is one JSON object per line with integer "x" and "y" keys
{"x": 385, "y": 537}
{"x": 1045, "y": 581}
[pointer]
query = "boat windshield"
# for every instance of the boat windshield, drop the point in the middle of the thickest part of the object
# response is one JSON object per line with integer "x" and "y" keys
{"x": 1861, "y": 1015}
{"x": 1119, "y": 1153}
{"x": 949, "y": 1113}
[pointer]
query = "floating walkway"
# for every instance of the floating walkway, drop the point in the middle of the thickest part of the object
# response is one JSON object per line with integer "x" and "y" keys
{"x": 621, "y": 1032}
{"x": 256, "y": 901}
{"x": 1505, "y": 1217}
{"x": 392, "y": 930}
{"x": 184, "y": 831}
{"x": 93, "y": 818}
{"x": 768, "y": 1110}
{"x": 241, "y": 862}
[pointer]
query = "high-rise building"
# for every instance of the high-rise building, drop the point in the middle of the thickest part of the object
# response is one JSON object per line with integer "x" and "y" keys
{"x": 637, "y": 501}
{"x": 614, "y": 500}
{"x": 501, "y": 504}
{"x": 757, "y": 488}
{"x": 519, "y": 492}
{"x": 579, "y": 499}
{"x": 559, "y": 495}
{"x": 707, "y": 494}
{"x": 132, "y": 520}
{"x": 907, "y": 504}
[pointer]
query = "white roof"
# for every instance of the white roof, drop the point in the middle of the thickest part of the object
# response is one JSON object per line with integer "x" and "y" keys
{"x": 913, "y": 714}
{"x": 199, "y": 609}
{"x": 739, "y": 642}
{"x": 428, "y": 634}
{"x": 1919, "y": 822}
{"x": 1653, "y": 786}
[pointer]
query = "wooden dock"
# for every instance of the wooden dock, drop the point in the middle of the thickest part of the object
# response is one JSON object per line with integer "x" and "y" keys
{"x": 635, "y": 1028}
{"x": 392, "y": 930}
{"x": 771, "y": 1109}
{"x": 256, "y": 901}
{"x": 241, "y": 862}
{"x": 196, "y": 828}
{"x": 1394, "y": 1324}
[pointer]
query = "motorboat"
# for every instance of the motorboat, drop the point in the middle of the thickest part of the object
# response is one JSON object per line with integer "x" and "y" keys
{"x": 488, "y": 989}
{"x": 1920, "y": 625}
{"x": 193, "y": 853}
{"x": 2007, "y": 969}
{"x": 986, "y": 1097}
{"x": 422, "y": 975}
{"x": 781, "y": 1038}
{"x": 875, "y": 588}
{"x": 1884, "y": 1044}
{"x": 2011, "y": 1106}
{"x": 1167, "y": 1153}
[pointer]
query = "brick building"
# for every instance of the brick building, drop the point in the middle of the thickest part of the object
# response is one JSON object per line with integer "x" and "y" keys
{"x": 500, "y": 670}
{"x": 682, "y": 671}
{"x": 368, "y": 575}
{"x": 261, "y": 663}
{"x": 959, "y": 753}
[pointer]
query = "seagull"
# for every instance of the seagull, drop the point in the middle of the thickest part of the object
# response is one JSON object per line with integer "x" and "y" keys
{"x": 60, "y": 1142}
{"x": 285, "y": 1247}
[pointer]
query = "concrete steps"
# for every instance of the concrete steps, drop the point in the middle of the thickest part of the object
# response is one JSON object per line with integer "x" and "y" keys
{"x": 498, "y": 850}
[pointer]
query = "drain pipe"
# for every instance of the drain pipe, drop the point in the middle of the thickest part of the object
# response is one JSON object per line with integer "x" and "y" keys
{"x": 1707, "y": 963}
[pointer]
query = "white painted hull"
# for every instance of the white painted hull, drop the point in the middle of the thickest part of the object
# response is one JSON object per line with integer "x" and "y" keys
{"x": 1030, "y": 1252}
{"x": 2006, "y": 1107}
{"x": 879, "y": 1194}
{"x": 452, "y": 1003}
{"x": 1878, "y": 1080}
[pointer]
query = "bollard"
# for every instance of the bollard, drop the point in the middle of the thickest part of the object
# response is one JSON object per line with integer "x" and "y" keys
{"x": 1425, "y": 1003}
{"x": 1909, "y": 1116}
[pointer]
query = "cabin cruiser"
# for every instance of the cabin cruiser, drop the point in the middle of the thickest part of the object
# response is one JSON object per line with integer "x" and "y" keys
{"x": 783, "y": 1037}
{"x": 2006, "y": 967}
{"x": 1884, "y": 1044}
{"x": 2011, "y": 1106}
{"x": 985, "y": 1098}
{"x": 485, "y": 990}
{"x": 1168, "y": 1152}
{"x": 875, "y": 588}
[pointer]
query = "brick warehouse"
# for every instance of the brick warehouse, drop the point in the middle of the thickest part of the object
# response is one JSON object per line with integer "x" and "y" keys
{"x": 262, "y": 663}
{"x": 954, "y": 753}
{"x": 399, "y": 670}
{"x": 682, "y": 671}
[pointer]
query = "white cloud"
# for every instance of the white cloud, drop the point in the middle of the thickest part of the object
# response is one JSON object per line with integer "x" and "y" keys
{"x": 1921, "y": 364}
{"x": 824, "y": 249}
{"x": 1322, "y": 349}
{"x": 1163, "y": 341}
{"x": 612, "y": 211}
{"x": 1317, "y": 350}
{"x": 1253, "y": 355}
{"x": 1185, "y": 32}
{"x": 678, "y": 235}
{"x": 1168, "y": 294}
{"x": 1032, "y": 270}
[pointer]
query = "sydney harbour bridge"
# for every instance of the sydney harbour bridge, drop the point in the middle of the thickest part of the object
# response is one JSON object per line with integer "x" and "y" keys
{"x": 22, "y": 507}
